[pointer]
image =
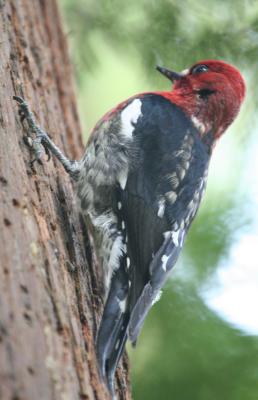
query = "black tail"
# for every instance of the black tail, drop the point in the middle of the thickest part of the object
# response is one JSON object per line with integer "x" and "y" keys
{"x": 112, "y": 333}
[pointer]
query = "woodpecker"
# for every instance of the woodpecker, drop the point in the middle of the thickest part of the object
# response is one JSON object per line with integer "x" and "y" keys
{"x": 140, "y": 184}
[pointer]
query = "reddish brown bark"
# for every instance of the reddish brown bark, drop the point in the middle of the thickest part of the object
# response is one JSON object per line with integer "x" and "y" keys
{"x": 50, "y": 289}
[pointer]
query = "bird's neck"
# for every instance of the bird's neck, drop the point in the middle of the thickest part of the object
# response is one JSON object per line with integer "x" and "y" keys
{"x": 201, "y": 115}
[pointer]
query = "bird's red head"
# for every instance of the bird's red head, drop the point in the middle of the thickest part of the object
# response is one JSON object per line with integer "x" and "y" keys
{"x": 210, "y": 93}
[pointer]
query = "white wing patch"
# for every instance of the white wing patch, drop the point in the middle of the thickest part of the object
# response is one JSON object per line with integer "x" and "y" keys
{"x": 129, "y": 116}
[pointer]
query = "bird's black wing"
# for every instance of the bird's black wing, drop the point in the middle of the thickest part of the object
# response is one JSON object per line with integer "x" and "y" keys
{"x": 161, "y": 197}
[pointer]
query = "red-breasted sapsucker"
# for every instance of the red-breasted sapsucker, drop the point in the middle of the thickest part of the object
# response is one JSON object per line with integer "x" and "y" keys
{"x": 140, "y": 183}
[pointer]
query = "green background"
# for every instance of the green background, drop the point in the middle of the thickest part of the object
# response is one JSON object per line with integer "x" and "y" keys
{"x": 186, "y": 351}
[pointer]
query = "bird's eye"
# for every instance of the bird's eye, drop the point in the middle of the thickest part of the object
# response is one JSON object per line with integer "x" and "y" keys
{"x": 199, "y": 68}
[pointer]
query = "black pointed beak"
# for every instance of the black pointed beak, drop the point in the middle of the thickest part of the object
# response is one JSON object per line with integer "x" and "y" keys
{"x": 171, "y": 75}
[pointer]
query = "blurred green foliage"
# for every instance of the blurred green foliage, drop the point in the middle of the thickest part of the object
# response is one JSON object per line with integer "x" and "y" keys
{"x": 185, "y": 351}
{"x": 166, "y": 30}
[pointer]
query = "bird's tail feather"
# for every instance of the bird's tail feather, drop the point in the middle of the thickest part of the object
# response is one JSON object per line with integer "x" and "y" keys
{"x": 112, "y": 333}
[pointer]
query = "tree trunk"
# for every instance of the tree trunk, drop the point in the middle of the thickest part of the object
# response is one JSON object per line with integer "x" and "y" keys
{"x": 50, "y": 285}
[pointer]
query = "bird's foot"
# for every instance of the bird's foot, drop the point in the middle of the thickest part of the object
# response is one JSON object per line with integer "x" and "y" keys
{"x": 37, "y": 144}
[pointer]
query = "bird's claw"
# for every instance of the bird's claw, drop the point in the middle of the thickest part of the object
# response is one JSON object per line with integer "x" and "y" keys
{"x": 23, "y": 108}
{"x": 37, "y": 145}
{"x": 47, "y": 151}
{"x": 38, "y": 149}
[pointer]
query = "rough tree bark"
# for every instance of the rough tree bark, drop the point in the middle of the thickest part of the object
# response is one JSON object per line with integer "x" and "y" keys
{"x": 50, "y": 289}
